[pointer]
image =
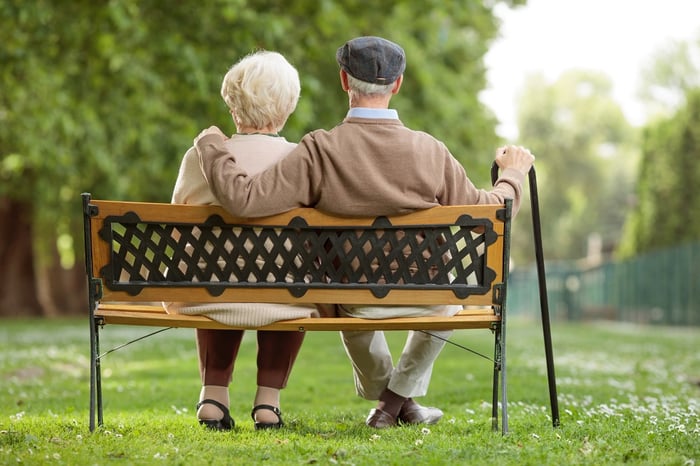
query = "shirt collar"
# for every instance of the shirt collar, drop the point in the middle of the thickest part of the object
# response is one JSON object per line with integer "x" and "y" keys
{"x": 381, "y": 113}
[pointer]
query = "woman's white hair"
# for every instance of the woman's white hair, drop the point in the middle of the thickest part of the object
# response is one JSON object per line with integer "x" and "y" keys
{"x": 261, "y": 90}
{"x": 365, "y": 88}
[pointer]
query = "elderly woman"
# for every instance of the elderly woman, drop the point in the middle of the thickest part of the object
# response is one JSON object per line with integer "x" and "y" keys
{"x": 261, "y": 91}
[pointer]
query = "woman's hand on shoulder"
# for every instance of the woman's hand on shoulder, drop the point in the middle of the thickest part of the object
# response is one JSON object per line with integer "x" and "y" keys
{"x": 209, "y": 131}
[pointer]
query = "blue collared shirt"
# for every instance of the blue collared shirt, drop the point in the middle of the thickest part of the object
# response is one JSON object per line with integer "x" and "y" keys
{"x": 364, "y": 112}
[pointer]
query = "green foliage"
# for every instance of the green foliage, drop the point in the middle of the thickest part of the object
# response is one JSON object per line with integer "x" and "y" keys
{"x": 672, "y": 71}
{"x": 669, "y": 172}
{"x": 585, "y": 161}
{"x": 105, "y": 97}
{"x": 627, "y": 395}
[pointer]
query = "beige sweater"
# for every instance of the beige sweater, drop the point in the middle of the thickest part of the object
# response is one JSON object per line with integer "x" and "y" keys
{"x": 255, "y": 153}
{"x": 360, "y": 167}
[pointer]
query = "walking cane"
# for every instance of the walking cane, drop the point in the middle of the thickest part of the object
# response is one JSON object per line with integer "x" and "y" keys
{"x": 544, "y": 306}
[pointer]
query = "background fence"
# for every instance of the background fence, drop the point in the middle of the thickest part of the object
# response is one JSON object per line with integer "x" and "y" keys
{"x": 662, "y": 287}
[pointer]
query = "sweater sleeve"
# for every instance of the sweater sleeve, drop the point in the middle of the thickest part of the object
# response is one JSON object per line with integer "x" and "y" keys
{"x": 282, "y": 187}
{"x": 459, "y": 189}
{"x": 190, "y": 186}
{"x": 509, "y": 185}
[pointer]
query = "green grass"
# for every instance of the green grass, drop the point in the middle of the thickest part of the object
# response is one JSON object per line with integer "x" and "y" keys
{"x": 627, "y": 395}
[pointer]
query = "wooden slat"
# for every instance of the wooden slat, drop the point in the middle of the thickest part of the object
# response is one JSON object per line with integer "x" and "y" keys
{"x": 188, "y": 213}
{"x": 150, "y": 315}
{"x": 282, "y": 296}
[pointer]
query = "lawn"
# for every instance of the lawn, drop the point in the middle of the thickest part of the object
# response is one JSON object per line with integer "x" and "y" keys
{"x": 627, "y": 395}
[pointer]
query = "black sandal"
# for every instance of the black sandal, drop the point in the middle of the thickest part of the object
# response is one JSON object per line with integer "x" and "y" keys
{"x": 225, "y": 423}
{"x": 267, "y": 425}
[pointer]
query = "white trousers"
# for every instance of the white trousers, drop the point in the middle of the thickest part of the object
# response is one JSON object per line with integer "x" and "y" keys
{"x": 372, "y": 363}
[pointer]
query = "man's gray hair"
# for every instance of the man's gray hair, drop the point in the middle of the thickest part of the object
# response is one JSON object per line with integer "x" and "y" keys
{"x": 365, "y": 88}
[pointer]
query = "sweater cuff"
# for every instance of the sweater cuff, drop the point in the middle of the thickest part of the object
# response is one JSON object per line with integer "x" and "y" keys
{"x": 512, "y": 175}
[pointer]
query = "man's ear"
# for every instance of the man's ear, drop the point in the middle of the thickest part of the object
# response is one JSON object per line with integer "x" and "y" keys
{"x": 344, "y": 80}
{"x": 397, "y": 85}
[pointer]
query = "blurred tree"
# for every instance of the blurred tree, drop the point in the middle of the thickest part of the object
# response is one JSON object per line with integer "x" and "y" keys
{"x": 672, "y": 71}
{"x": 585, "y": 158}
{"x": 665, "y": 213}
{"x": 670, "y": 147}
{"x": 105, "y": 97}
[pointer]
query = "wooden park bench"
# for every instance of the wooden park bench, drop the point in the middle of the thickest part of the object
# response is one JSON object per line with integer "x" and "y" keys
{"x": 140, "y": 254}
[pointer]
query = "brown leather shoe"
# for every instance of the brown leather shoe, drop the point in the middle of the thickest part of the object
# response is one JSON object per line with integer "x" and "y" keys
{"x": 420, "y": 415}
{"x": 380, "y": 419}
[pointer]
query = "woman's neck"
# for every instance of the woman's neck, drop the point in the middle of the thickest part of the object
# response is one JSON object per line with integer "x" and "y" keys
{"x": 252, "y": 130}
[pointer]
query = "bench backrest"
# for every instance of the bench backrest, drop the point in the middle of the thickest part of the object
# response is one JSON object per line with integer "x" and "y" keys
{"x": 139, "y": 251}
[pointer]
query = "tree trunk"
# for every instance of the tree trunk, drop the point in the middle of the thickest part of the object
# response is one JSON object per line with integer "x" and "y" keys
{"x": 24, "y": 290}
{"x": 18, "y": 295}
{"x": 62, "y": 291}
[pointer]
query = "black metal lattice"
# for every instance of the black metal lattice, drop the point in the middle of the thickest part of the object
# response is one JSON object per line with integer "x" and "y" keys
{"x": 297, "y": 256}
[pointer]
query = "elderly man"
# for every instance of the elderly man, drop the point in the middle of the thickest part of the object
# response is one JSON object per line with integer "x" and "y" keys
{"x": 370, "y": 164}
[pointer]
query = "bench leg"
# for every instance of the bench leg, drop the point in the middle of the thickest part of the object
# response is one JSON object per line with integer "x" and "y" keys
{"x": 95, "y": 376}
{"x": 494, "y": 397}
{"x": 504, "y": 384}
{"x": 98, "y": 378}
{"x": 499, "y": 380}
{"x": 93, "y": 371}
